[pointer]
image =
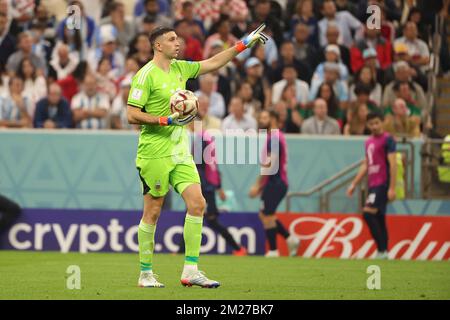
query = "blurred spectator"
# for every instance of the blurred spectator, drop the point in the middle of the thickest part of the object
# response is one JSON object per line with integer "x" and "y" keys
{"x": 403, "y": 74}
{"x": 107, "y": 49}
{"x": 304, "y": 13}
{"x": 390, "y": 8}
{"x": 105, "y": 79}
{"x": 22, "y": 12}
{"x": 281, "y": 108}
{"x": 320, "y": 123}
{"x": 417, "y": 48}
{"x": 63, "y": 63}
{"x": 35, "y": 86}
{"x": 238, "y": 12}
{"x": 356, "y": 120}
{"x": 119, "y": 118}
{"x": 237, "y": 118}
{"x": 387, "y": 26}
{"x": 424, "y": 30}
{"x": 346, "y": 5}
{"x": 254, "y": 75}
{"x": 301, "y": 88}
{"x": 131, "y": 68}
{"x": 207, "y": 11}
{"x": 90, "y": 108}
{"x": 216, "y": 101}
{"x": 333, "y": 55}
{"x": 4, "y": 80}
{"x": 14, "y": 108}
{"x": 251, "y": 105}
{"x": 296, "y": 112}
{"x": 346, "y": 22}
{"x": 403, "y": 91}
{"x": 197, "y": 27}
{"x": 126, "y": 29}
{"x": 304, "y": 51}
{"x": 147, "y": 26}
{"x": 164, "y": 7}
{"x": 287, "y": 57}
{"x": 193, "y": 49}
{"x": 334, "y": 108}
{"x": 7, "y": 41}
{"x": 262, "y": 14}
{"x": 70, "y": 84}
{"x": 400, "y": 122}
{"x": 223, "y": 33}
{"x": 54, "y": 111}
{"x": 362, "y": 96}
{"x": 44, "y": 22}
{"x": 208, "y": 121}
{"x": 366, "y": 77}
{"x": 151, "y": 9}
{"x": 407, "y": 6}
{"x": 371, "y": 60}
{"x": 333, "y": 36}
{"x": 67, "y": 27}
{"x": 141, "y": 49}
{"x": 25, "y": 46}
{"x": 372, "y": 39}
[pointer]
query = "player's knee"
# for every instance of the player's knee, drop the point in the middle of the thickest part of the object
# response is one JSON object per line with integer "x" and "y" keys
{"x": 370, "y": 210}
{"x": 196, "y": 207}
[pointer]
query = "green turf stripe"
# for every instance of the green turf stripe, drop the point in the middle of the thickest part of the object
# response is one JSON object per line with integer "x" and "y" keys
{"x": 191, "y": 259}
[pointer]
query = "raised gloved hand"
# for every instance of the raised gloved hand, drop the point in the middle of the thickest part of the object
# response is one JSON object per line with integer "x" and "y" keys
{"x": 250, "y": 40}
{"x": 167, "y": 121}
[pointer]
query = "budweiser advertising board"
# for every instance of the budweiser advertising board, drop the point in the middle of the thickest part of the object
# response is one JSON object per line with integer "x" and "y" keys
{"x": 347, "y": 236}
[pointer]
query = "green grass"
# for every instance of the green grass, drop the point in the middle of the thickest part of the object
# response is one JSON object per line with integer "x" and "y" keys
{"x": 42, "y": 275}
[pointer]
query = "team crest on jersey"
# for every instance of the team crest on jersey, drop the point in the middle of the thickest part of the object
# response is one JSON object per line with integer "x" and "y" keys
{"x": 158, "y": 185}
{"x": 136, "y": 94}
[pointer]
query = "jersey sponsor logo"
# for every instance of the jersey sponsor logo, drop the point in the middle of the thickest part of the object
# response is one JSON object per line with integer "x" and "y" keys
{"x": 136, "y": 94}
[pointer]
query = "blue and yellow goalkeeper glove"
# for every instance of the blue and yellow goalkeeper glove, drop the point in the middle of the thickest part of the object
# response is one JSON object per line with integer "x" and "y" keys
{"x": 250, "y": 40}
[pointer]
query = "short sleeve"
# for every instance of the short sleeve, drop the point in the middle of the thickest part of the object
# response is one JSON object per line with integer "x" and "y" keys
{"x": 390, "y": 145}
{"x": 139, "y": 91}
{"x": 189, "y": 69}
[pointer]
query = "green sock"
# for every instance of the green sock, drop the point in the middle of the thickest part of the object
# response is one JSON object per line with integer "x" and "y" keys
{"x": 146, "y": 239}
{"x": 192, "y": 238}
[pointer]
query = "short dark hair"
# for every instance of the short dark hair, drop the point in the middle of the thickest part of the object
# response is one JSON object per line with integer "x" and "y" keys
{"x": 373, "y": 115}
{"x": 362, "y": 88}
{"x": 159, "y": 31}
{"x": 274, "y": 114}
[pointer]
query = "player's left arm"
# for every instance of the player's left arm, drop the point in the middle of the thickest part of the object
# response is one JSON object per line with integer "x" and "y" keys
{"x": 222, "y": 58}
{"x": 392, "y": 159}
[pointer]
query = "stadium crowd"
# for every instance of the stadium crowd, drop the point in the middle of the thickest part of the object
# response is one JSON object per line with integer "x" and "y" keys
{"x": 323, "y": 68}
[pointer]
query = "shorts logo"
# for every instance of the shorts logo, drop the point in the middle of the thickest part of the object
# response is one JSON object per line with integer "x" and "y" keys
{"x": 158, "y": 185}
{"x": 371, "y": 198}
{"x": 136, "y": 94}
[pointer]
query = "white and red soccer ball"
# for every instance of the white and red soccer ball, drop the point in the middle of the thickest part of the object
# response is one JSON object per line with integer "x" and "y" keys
{"x": 185, "y": 103}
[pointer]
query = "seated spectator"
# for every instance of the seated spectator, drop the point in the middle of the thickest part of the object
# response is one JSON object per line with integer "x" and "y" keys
{"x": 63, "y": 63}
{"x": 403, "y": 90}
{"x": 362, "y": 94}
{"x": 14, "y": 108}
{"x": 151, "y": 9}
{"x": 4, "y": 82}
{"x": 356, "y": 120}
{"x": 371, "y": 60}
{"x": 105, "y": 79}
{"x": 208, "y": 121}
{"x": 216, "y": 101}
{"x": 164, "y": 7}
{"x": 346, "y": 22}
{"x": 53, "y": 112}
{"x": 400, "y": 123}
{"x": 254, "y": 75}
{"x": 187, "y": 12}
{"x": 296, "y": 112}
{"x": 334, "y": 108}
{"x": 131, "y": 68}
{"x": 332, "y": 77}
{"x": 415, "y": 15}
{"x": 7, "y": 41}
{"x": 35, "y": 86}
{"x": 237, "y": 118}
{"x": 333, "y": 55}
{"x": 90, "y": 108}
{"x": 287, "y": 57}
{"x": 193, "y": 47}
{"x": 281, "y": 108}
{"x": 119, "y": 119}
{"x": 252, "y": 106}
{"x": 223, "y": 33}
{"x": 304, "y": 13}
{"x": 87, "y": 36}
{"x": 25, "y": 46}
{"x": 107, "y": 49}
{"x": 372, "y": 39}
{"x": 320, "y": 123}
{"x": 141, "y": 49}
{"x": 403, "y": 74}
{"x": 301, "y": 88}
{"x": 417, "y": 48}
{"x": 70, "y": 84}
{"x": 126, "y": 28}
{"x": 333, "y": 37}
{"x": 366, "y": 77}
{"x": 263, "y": 13}
{"x": 303, "y": 50}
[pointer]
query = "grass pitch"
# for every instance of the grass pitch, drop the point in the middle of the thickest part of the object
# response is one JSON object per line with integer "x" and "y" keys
{"x": 42, "y": 275}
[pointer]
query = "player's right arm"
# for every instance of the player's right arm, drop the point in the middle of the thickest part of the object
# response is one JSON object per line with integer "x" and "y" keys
{"x": 361, "y": 173}
{"x": 136, "y": 116}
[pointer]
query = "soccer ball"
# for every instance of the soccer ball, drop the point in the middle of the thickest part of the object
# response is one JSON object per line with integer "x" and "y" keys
{"x": 186, "y": 104}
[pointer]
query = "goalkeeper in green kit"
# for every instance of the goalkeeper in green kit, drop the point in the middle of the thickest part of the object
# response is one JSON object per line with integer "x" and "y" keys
{"x": 163, "y": 155}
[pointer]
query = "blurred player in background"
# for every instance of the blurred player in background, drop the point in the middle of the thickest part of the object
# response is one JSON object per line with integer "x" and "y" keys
{"x": 163, "y": 156}
{"x": 380, "y": 165}
{"x": 273, "y": 187}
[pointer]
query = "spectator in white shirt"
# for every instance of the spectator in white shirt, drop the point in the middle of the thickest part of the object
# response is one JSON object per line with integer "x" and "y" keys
{"x": 63, "y": 62}
{"x": 216, "y": 101}
{"x": 417, "y": 48}
{"x": 35, "y": 86}
{"x": 90, "y": 108}
{"x": 238, "y": 119}
{"x": 345, "y": 20}
{"x": 290, "y": 77}
{"x": 320, "y": 123}
{"x": 14, "y": 107}
{"x": 119, "y": 118}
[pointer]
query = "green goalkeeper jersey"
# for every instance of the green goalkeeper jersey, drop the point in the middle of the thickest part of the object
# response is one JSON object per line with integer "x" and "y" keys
{"x": 151, "y": 90}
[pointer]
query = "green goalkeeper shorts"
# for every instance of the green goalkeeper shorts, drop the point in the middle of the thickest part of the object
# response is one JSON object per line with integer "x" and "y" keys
{"x": 157, "y": 174}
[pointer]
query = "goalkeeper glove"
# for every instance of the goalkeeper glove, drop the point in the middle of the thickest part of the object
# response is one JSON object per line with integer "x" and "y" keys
{"x": 250, "y": 40}
{"x": 167, "y": 121}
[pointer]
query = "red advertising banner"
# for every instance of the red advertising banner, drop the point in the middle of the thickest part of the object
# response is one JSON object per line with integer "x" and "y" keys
{"x": 347, "y": 236}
